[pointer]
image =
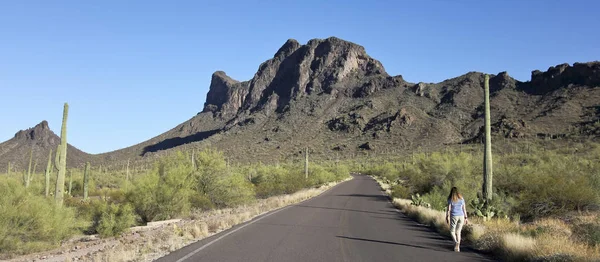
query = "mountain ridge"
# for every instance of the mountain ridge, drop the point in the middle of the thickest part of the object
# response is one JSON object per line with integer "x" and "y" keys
{"x": 330, "y": 95}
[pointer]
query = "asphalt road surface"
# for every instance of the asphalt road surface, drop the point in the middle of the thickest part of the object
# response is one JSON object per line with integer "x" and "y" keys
{"x": 353, "y": 221}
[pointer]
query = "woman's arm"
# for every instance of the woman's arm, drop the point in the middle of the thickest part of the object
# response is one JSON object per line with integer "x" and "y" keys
{"x": 448, "y": 213}
{"x": 464, "y": 208}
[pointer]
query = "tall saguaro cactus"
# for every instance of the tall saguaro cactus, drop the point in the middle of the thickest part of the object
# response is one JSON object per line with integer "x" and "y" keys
{"x": 86, "y": 179}
{"x": 306, "y": 163}
{"x": 47, "y": 173}
{"x": 127, "y": 176}
{"x": 61, "y": 159}
{"x": 8, "y": 169}
{"x": 194, "y": 159}
{"x": 28, "y": 178}
{"x": 35, "y": 163}
{"x": 487, "y": 159}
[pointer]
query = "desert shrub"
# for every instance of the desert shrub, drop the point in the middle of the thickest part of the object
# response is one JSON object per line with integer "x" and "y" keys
{"x": 232, "y": 190}
{"x": 537, "y": 184}
{"x": 438, "y": 197}
{"x": 318, "y": 175}
{"x": 31, "y": 222}
{"x": 341, "y": 171}
{"x": 164, "y": 192}
{"x": 556, "y": 184}
{"x": 588, "y": 232}
{"x": 278, "y": 180}
{"x": 112, "y": 219}
{"x": 400, "y": 191}
{"x": 387, "y": 171}
{"x": 201, "y": 202}
{"x": 211, "y": 167}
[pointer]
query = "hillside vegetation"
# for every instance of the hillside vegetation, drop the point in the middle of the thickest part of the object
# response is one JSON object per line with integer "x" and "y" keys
{"x": 546, "y": 197}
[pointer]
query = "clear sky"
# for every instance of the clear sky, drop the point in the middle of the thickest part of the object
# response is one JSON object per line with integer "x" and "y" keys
{"x": 131, "y": 70}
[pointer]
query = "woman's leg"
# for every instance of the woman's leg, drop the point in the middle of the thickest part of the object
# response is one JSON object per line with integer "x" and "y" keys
{"x": 459, "y": 226}
{"x": 453, "y": 221}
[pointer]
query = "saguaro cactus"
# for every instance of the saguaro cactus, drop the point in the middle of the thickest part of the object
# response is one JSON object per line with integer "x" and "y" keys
{"x": 48, "y": 172}
{"x": 28, "y": 177}
{"x": 487, "y": 159}
{"x": 194, "y": 159}
{"x": 8, "y": 169}
{"x": 35, "y": 163}
{"x": 61, "y": 159}
{"x": 127, "y": 176}
{"x": 306, "y": 163}
{"x": 70, "y": 182}
{"x": 86, "y": 179}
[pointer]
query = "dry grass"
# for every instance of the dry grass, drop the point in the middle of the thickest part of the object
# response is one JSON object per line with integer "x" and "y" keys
{"x": 423, "y": 215}
{"x": 543, "y": 240}
{"x": 515, "y": 247}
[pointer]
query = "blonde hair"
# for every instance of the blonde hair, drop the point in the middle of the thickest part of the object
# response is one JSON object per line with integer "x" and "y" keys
{"x": 454, "y": 195}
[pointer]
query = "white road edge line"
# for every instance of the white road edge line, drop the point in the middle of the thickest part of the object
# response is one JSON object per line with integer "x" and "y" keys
{"x": 250, "y": 223}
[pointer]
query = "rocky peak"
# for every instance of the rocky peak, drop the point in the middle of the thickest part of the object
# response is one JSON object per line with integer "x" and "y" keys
{"x": 287, "y": 49}
{"x": 296, "y": 70}
{"x": 38, "y": 132}
{"x": 584, "y": 74}
{"x": 501, "y": 81}
{"x": 225, "y": 95}
{"x": 316, "y": 67}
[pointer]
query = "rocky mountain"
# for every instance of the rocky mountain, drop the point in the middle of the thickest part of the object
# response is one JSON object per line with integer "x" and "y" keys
{"x": 331, "y": 96}
{"x": 38, "y": 141}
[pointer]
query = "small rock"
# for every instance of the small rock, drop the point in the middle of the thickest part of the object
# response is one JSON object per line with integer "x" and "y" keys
{"x": 366, "y": 146}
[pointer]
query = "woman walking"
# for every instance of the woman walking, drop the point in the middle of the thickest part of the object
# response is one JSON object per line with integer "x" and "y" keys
{"x": 456, "y": 216}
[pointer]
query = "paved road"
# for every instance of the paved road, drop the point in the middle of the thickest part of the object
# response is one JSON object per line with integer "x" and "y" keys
{"x": 353, "y": 221}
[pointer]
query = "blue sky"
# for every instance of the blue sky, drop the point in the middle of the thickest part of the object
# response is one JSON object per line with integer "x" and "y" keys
{"x": 131, "y": 70}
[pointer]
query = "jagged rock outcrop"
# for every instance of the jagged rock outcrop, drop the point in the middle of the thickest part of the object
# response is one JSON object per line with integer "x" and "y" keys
{"x": 225, "y": 96}
{"x": 39, "y": 134}
{"x": 582, "y": 74}
{"x": 327, "y": 66}
{"x": 502, "y": 81}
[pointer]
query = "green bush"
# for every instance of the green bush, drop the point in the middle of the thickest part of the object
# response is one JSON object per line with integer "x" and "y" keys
{"x": 319, "y": 175}
{"x": 536, "y": 184}
{"x": 438, "y": 197}
{"x": 400, "y": 191}
{"x": 30, "y": 222}
{"x": 164, "y": 192}
{"x": 232, "y": 190}
{"x": 341, "y": 171}
{"x": 201, "y": 202}
{"x": 211, "y": 167}
{"x": 589, "y": 233}
{"x": 113, "y": 219}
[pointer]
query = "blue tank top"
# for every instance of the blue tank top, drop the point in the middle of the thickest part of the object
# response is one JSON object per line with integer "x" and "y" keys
{"x": 456, "y": 207}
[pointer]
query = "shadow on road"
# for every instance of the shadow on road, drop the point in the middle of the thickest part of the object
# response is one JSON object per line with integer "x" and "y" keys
{"x": 412, "y": 225}
{"x": 393, "y": 243}
{"x": 343, "y": 209}
{"x": 374, "y": 197}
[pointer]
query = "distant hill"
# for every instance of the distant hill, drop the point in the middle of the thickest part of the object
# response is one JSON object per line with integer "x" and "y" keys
{"x": 41, "y": 140}
{"x": 331, "y": 96}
